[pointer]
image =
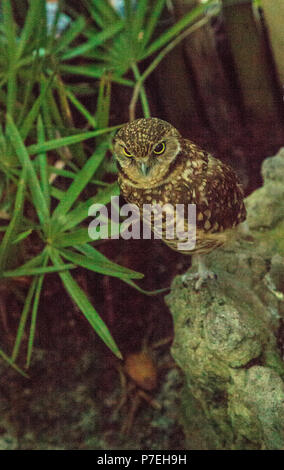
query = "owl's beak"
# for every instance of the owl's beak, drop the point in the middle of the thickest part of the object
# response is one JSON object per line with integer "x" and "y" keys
{"x": 144, "y": 169}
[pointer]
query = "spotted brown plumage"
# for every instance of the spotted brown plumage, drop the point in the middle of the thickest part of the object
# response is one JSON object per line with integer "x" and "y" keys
{"x": 182, "y": 173}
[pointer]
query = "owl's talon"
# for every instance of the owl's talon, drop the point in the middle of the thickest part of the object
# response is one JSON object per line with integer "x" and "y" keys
{"x": 186, "y": 278}
{"x": 200, "y": 277}
{"x": 203, "y": 277}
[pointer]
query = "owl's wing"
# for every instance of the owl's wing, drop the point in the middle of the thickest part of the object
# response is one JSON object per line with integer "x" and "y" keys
{"x": 217, "y": 194}
{"x": 225, "y": 195}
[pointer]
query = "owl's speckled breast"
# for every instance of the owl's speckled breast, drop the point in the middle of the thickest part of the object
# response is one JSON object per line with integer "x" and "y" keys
{"x": 206, "y": 241}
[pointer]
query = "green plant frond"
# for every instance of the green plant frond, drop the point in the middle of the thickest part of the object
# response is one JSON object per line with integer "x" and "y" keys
{"x": 152, "y": 21}
{"x": 33, "y": 182}
{"x": 55, "y": 144}
{"x": 95, "y": 41}
{"x": 11, "y": 231}
{"x": 141, "y": 10}
{"x": 33, "y": 113}
{"x": 105, "y": 12}
{"x": 79, "y": 236}
{"x": 22, "y": 236}
{"x": 35, "y": 261}
{"x": 146, "y": 292}
{"x": 38, "y": 288}
{"x": 95, "y": 71}
{"x": 92, "y": 261}
{"x": 19, "y": 272}
{"x": 79, "y": 183}
{"x": 82, "y": 109}
{"x": 58, "y": 171}
{"x": 23, "y": 320}
{"x": 174, "y": 30}
{"x": 80, "y": 213}
{"x": 30, "y": 24}
{"x": 80, "y": 298}
{"x": 103, "y": 101}
{"x": 11, "y": 363}
{"x": 42, "y": 159}
{"x": 9, "y": 29}
{"x": 76, "y": 27}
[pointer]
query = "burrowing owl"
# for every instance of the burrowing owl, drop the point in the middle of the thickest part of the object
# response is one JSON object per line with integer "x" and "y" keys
{"x": 156, "y": 165}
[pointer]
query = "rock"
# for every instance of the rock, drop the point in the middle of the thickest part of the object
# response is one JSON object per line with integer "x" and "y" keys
{"x": 273, "y": 168}
{"x": 255, "y": 406}
{"x": 226, "y": 333}
{"x": 265, "y": 205}
{"x": 8, "y": 442}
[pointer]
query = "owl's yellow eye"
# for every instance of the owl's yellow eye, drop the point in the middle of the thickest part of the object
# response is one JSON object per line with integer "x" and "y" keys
{"x": 126, "y": 153}
{"x": 160, "y": 148}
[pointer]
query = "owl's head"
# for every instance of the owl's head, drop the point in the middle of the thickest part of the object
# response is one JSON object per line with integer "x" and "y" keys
{"x": 145, "y": 150}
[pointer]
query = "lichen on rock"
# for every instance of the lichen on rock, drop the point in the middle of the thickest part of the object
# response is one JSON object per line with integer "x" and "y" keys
{"x": 226, "y": 333}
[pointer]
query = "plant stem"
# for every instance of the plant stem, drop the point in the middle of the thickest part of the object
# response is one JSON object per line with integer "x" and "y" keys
{"x": 138, "y": 90}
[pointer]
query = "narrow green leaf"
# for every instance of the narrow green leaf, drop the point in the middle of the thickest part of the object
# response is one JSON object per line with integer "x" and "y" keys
{"x": 146, "y": 292}
{"x": 80, "y": 182}
{"x": 15, "y": 221}
{"x": 21, "y": 151}
{"x": 98, "y": 258}
{"x": 54, "y": 109}
{"x": 81, "y": 108}
{"x": 139, "y": 16}
{"x": 12, "y": 91}
{"x": 172, "y": 32}
{"x": 101, "y": 266}
{"x": 93, "y": 71}
{"x": 143, "y": 96}
{"x": 29, "y": 26}
{"x": 72, "y": 175}
{"x": 23, "y": 320}
{"x": 47, "y": 121}
{"x": 33, "y": 113}
{"x": 98, "y": 19}
{"x": 27, "y": 95}
{"x": 43, "y": 169}
{"x": 38, "y": 288}
{"x": 22, "y": 236}
{"x": 11, "y": 363}
{"x": 61, "y": 172}
{"x": 80, "y": 213}
{"x": 107, "y": 12}
{"x": 95, "y": 41}
{"x": 76, "y": 27}
{"x": 153, "y": 19}
{"x": 35, "y": 261}
{"x": 57, "y": 193}
{"x": 103, "y": 102}
{"x": 78, "y": 237}
{"x": 85, "y": 306}
{"x": 128, "y": 12}
{"x": 65, "y": 141}
{"x": 19, "y": 272}
{"x": 9, "y": 28}
{"x": 3, "y": 143}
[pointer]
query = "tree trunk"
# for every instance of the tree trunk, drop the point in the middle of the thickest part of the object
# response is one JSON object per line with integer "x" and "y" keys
{"x": 252, "y": 68}
{"x": 274, "y": 18}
